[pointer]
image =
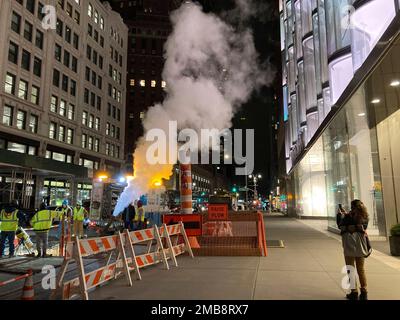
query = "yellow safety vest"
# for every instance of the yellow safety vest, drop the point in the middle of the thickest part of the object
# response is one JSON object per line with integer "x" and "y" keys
{"x": 139, "y": 214}
{"x": 79, "y": 215}
{"x": 9, "y": 221}
{"x": 43, "y": 219}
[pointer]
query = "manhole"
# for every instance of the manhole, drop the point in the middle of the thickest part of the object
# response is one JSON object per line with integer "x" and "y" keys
{"x": 275, "y": 244}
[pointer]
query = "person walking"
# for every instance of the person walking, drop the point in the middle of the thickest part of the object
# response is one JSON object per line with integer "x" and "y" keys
{"x": 41, "y": 223}
{"x": 10, "y": 217}
{"x": 353, "y": 227}
{"x": 79, "y": 214}
{"x": 139, "y": 215}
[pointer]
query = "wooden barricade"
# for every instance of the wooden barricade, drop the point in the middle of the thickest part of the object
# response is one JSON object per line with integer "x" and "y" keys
{"x": 174, "y": 248}
{"x": 150, "y": 257}
{"x": 85, "y": 248}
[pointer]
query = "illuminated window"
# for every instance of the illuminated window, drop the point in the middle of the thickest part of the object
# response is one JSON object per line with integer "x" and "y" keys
{"x": 142, "y": 83}
{"x": 132, "y": 82}
{"x": 90, "y": 10}
{"x": 163, "y": 84}
{"x": 142, "y": 115}
{"x": 153, "y": 83}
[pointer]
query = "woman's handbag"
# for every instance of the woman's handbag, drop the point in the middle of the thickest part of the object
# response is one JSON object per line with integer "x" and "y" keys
{"x": 356, "y": 244}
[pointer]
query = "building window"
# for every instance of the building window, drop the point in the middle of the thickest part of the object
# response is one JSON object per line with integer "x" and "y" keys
{"x": 90, "y": 10}
{"x": 56, "y": 78}
{"x": 59, "y": 27}
{"x": 16, "y": 22}
{"x": 142, "y": 83}
{"x": 33, "y": 123}
{"x": 62, "y": 108}
{"x": 40, "y": 14}
{"x": 37, "y": 67}
{"x": 26, "y": 60}
{"x": 101, "y": 23}
{"x": 118, "y": 133}
{"x": 68, "y": 9}
{"x": 28, "y": 28}
{"x": 60, "y": 3}
{"x": 118, "y": 114}
{"x": 71, "y": 112}
{"x": 84, "y": 140}
{"x": 39, "y": 39}
{"x": 96, "y": 145}
{"x": 85, "y": 118}
{"x": 7, "y": 115}
{"x": 35, "y": 95}
{"x": 112, "y": 150}
{"x": 99, "y": 82}
{"x": 57, "y": 52}
{"x": 89, "y": 52}
{"x": 64, "y": 84}
{"x": 102, "y": 41}
{"x": 72, "y": 89}
{"x": 53, "y": 104}
{"x": 86, "y": 96}
{"x": 77, "y": 17}
{"x": 74, "y": 64}
{"x": 107, "y": 148}
{"x": 96, "y": 16}
{"x": 90, "y": 30}
{"x": 23, "y": 89}
{"x": 108, "y": 129}
{"x": 132, "y": 82}
{"x": 66, "y": 58}
{"x": 163, "y": 84}
{"x": 153, "y": 83}
{"x": 90, "y": 143}
{"x": 75, "y": 41}
{"x": 13, "y": 53}
{"x": 92, "y": 99}
{"x": 113, "y": 131}
{"x": 100, "y": 62}
{"x": 61, "y": 133}
{"x": 52, "y": 130}
{"x": 70, "y": 136}
{"x": 114, "y": 113}
{"x": 30, "y": 5}
{"x": 9, "y": 86}
{"x": 98, "y": 103}
{"x": 21, "y": 119}
{"x": 117, "y": 152}
{"x": 87, "y": 74}
{"x": 91, "y": 118}
{"x": 97, "y": 123}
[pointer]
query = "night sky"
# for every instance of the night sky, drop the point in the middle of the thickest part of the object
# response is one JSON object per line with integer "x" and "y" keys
{"x": 261, "y": 112}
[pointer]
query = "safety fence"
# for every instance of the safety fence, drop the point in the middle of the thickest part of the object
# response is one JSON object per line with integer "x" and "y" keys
{"x": 125, "y": 252}
{"x": 241, "y": 234}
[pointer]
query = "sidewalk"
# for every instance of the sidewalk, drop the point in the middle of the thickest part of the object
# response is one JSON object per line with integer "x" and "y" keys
{"x": 309, "y": 267}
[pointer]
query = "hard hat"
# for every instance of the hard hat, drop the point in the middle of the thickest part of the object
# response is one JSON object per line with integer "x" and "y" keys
{"x": 65, "y": 202}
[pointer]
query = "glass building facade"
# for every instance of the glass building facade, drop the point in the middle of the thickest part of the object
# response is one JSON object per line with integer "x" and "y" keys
{"x": 341, "y": 87}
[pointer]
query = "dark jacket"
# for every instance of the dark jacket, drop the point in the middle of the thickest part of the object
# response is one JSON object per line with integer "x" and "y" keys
{"x": 129, "y": 213}
{"x": 351, "y": 223}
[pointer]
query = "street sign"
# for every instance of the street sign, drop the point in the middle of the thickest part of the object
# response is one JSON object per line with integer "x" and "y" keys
{"x": 217, "y": 212}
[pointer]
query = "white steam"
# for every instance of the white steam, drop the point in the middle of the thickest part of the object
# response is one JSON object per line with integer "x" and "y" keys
{"x": 210, "y": 71}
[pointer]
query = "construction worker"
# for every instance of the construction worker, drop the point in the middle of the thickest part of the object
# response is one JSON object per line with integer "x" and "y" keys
{"x": 10, "y": 216}
{"x": 79, "y": 215}
{"x": 65, "y": 218}
{"x": 42, "y": 222}
{"x": 139, "y": 215}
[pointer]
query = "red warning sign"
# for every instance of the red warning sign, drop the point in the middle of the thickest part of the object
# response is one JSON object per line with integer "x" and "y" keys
{"x": 217, "y": 212}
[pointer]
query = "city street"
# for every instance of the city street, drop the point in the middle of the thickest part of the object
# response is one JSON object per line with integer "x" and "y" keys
{"x": 309, "y": 268}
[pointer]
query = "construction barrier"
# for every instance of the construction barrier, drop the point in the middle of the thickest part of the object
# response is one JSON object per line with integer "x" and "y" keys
{"x": 28, "y": 289}
{"x": 174, "y": 246}
{"x": 150, "y": 257}
{"x": 235, "y": 234}
{"x": 85, "y": 248}
{"x": 128, "y": 248}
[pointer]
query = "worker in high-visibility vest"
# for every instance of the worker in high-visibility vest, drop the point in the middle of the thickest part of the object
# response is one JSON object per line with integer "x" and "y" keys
{"x": 139, "y": 215}
{"x": 10, "y": 217}
{"x": 42, "y": 222}
{"x": 65, "y": 217}
{"x": 79, "y": 215}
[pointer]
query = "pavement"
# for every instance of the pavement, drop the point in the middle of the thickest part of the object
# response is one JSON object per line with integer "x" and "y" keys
{"x": 308, "y": 268}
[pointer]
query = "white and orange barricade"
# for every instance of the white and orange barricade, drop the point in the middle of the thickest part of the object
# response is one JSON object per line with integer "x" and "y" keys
{"x": 153, "y": 253}
{"x": 172, "y": 234}
{"x": 85, "y": 248}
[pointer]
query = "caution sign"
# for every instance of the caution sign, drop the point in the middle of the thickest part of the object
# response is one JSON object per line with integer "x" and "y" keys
{"x": 193, "y": 223}
{"x": 217, "y": 212}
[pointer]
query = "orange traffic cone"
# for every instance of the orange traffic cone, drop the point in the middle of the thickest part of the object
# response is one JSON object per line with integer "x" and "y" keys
{"x": 27, "y": 290}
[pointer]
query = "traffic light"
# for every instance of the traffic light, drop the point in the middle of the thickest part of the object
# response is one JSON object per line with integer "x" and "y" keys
{"x": 234, "y": 189}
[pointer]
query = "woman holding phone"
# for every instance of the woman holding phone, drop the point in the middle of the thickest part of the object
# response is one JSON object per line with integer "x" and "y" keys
{"x": 352, "y": 225}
